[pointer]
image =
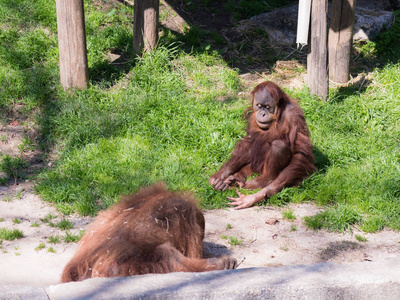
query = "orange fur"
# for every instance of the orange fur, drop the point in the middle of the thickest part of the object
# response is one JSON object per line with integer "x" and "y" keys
{"x": 152, "y": 231}
{"x": 281, "y": 155}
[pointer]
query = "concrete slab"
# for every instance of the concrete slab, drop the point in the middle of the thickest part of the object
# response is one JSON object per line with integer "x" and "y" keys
{"x": 18, "y": 292}
{"x": 367, "y": 280}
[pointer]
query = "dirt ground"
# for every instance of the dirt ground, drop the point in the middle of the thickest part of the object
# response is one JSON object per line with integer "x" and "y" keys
{"x": 261, "y": 236}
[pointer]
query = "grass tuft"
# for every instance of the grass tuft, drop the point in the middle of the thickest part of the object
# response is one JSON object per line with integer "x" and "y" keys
{"x": 289, "y": 215}
{"x": 339, "y": 219}
{"x": 13, "y": 167}
{"x": 48, "y": 218}
{"x": 361, "y": 238}
{"x": 73, "y": 238}
{"x": 63, "y": 224}
{"x": 232, "y": 240}
{"x": 35, "y": 224}
{"x": 10, "y": 234}
{"x": 54, "y": 239}
{"x": 40, "y": 247}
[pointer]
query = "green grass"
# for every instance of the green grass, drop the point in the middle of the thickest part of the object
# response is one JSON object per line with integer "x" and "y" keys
{"x": 158, "y": 128}
{"x": 7, "y": 199}
{"x": 289, "y": 215}
{"x": 54, "y": 239}
{"x": 18, "y": 195}
{"x": 28, "y": 52}
{"x": 232, "y": 240}
{"x": 175, "y": 116}
{"x": 10, "y": 234}
{"x": 363, "y": 154}
{"x": 16, "y": 221}
{"x": 73, "y": 238}
{"x": 361, "y": 238}
{"x": 338, "y": 219}
{"x": 40, "y": 246}
{"x": 35, "y": 224}
{"x": 13, "y": 167}
{"x": 63, "y": 224}
{"x": 48, "y": 218}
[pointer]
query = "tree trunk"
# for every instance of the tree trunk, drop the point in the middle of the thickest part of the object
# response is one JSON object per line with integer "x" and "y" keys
{"x": 145, "y": 25}
{"x": 317, "y": 57}
{"x": 72, "y": 44}
{"x": 341, "y": 39}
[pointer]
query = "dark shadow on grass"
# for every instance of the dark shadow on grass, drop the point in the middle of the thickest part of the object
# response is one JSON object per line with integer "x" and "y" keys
{"x": 38, "y": 78}
{"x": 108, "y": 72}
{"x": 357, "y": 87}
{"x": 24, "y": 11}
{"x": 354, "y": 88}
{"x": 388, "y": 42}
{"x": 39, "y": 82}
{"x": 321, "y": 160}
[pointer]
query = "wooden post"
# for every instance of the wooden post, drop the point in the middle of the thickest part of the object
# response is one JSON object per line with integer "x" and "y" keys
{"x": 72, "y": 44}
{"x": 317, "y": 57}
{"x": 145, "y": 25}
{"x": 341, "y": 39}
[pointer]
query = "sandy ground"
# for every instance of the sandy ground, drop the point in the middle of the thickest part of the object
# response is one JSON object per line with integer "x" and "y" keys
{"x": 266, "y": 239}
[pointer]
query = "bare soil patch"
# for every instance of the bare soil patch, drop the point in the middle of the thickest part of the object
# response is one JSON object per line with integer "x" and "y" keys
{"x": 269, "y": 240}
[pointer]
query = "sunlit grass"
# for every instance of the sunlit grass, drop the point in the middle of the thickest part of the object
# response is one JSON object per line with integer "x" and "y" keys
{"x": 175, "y": 116}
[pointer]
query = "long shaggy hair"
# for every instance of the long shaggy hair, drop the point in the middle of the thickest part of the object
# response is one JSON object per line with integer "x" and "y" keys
{"x": 152, "y": 231}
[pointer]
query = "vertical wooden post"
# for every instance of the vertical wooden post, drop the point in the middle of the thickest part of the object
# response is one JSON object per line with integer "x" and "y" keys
{"x": 317, "y": 57}
{"x": 72, "y": 44}
{"x": 145, "y": 25}
{"x": 341, "y": 39}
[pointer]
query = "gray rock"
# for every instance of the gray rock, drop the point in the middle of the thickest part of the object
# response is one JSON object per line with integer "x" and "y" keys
{"x": 281, "y": 24}
{"x": 369, "y": 23}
